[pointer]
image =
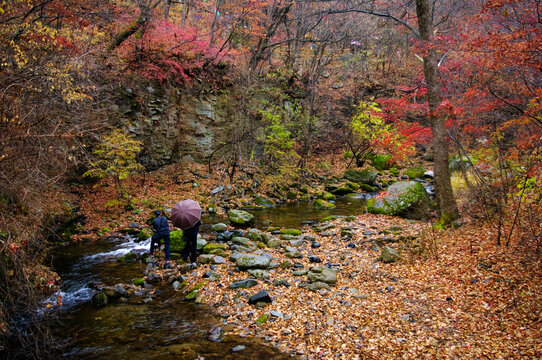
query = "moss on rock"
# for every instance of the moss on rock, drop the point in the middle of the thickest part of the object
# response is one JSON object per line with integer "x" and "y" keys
{"x": 415, "y": 172}
{"x": 364, "y": 176}
{"x": 381, "y": 162}
{"x": 405, "y": 198}
{"x": 176, "y": 242}
{"x": 322, "y": 204}
{"x": 209, "y": 248}
{"x": 290, "y": 231}
{"x": 240, "y": 217}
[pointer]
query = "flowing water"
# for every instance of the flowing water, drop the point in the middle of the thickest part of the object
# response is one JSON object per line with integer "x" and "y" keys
{"x": 168, "y": 327}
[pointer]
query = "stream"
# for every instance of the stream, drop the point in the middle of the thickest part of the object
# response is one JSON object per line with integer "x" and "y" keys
{"x": 168, "y": 327}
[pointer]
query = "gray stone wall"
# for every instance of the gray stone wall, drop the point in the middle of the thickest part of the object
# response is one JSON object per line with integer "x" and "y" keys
{"x": 172, "y": 124}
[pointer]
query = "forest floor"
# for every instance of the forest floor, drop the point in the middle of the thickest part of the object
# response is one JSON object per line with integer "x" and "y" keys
{"x": 461, "y": 297}
{"x": 454, "y": 294}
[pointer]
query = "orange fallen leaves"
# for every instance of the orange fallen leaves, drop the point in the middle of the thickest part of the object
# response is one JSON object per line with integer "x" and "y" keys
{"x": 417, "y": 308}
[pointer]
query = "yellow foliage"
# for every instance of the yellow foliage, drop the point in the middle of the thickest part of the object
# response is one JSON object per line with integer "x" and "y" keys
{"x": 116, "y": 156}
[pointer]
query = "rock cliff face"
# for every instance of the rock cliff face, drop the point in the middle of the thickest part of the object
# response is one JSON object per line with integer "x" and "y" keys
{"x": 172, "y": 124}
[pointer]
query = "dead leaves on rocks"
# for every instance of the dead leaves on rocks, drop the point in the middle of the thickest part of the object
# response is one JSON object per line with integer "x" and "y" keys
{"x": 484, "y": 305}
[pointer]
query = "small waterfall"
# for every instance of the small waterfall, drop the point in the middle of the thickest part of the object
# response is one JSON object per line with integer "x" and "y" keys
{"x": 74, "y": 289}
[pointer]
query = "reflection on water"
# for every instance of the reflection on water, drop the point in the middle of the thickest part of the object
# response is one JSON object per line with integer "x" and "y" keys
{"x": 296, "y": 214}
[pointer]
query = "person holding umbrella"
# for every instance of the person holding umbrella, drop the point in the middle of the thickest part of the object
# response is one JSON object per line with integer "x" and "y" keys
{"x": 186, "y": 215}
{"x": 161, "y": 232}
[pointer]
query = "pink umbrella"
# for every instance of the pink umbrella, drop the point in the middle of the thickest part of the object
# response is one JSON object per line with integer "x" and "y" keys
{"x": 185, "y": 214}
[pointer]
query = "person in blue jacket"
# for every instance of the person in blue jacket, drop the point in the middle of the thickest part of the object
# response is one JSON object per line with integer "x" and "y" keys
{"x": 161, "y": 232}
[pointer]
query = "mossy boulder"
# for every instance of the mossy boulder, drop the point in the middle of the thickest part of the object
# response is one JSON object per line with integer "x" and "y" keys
{"x": 367, "y": 188}
{"x": 364, "y": 176}
{"x": 260, "y": 200}
{"x": 274, "y": 243}
{"x": 394, "y": 171}
{"x": 315, "y": 286}
{"x": 415, "y": 172}
{"x": 339, "y": 190}
{"x": 220, "y": 227}
{"x": 290, "y": 231}
{"x": 240, "y": 217}
{"x": 131, "y": 256}
{"x": 352, "y": 186}
{"x": 240, "y": 240}
{"x": 381, "y": 162}
{"x": 194, "y": 292}
{"x": 320, "y": 204}
{"x": 100, "y": 300}
{"x": 288, "y": 237}
{"x": 405, "y": 198}
{"x": 262, "y": 319}
{"x": 255, "y": 235}
{"x": 328, "y": 196}
{"x": 291, "y": 195}
{"x": 176, "y": 242}
{"x": 331, "y": 217}
{"x": 259, "y": 273}
{"x": 209, "y": 248}
{"x": 144, "y": 234}
{"x": 139, "y": 282}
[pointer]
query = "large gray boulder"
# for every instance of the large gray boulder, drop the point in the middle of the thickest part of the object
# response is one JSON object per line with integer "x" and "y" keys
{"x": 240, "y": 217}
{"x": 361, "y": 176}
{"x": 389, "y": 255}
{"x": 252, "y": 261}
{"x": 405, "y": 198}
{"x": 322, "y": 274}
{"x": 243, "y": 284}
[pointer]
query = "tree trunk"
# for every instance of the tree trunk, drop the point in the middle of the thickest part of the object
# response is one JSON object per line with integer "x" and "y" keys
{"x": 166, "y": 8}
{"x": 213, "y": 24}
{"x": 119, "y": 39}
{"x": 276, "y": 17}
{"x": 443, "y": 186}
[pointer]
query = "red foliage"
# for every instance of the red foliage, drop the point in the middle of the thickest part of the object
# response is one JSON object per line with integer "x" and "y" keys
{"x": 167, "y": 52}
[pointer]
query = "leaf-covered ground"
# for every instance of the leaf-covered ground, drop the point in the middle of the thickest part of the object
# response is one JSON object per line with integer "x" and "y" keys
{"x": 485, "y": 304}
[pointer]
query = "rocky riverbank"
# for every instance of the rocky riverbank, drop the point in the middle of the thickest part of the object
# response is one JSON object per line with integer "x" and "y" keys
{"x": 363, "y": 287}
{"x": 293, "y": 287}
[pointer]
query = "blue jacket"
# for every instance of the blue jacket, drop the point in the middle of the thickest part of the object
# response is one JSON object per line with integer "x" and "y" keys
{"x": 160, "y": 225}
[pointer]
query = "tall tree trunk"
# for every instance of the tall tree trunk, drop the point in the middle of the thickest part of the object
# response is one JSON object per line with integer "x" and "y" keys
{"x": 213, "y": 24}
{"x": 166, "y": 8}
{"x": 443, "y": 186}
{"x": 277, "y": 15}
{"x": 186, "y": 8}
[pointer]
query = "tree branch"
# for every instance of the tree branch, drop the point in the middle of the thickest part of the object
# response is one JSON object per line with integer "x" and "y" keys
{"x": 379, "y": 14}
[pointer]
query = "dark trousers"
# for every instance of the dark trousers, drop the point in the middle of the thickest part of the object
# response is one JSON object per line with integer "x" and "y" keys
{"x": 190, "y": 235}
{"x": 155, "y": 243}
